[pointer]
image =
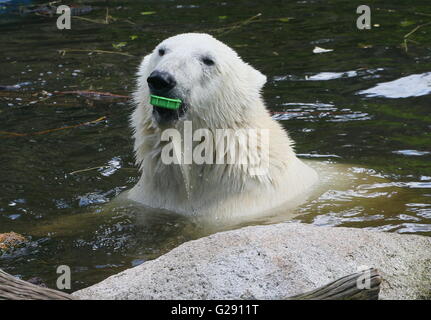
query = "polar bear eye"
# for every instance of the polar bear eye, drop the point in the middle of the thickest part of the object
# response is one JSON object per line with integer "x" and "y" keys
{"x": 162, "y": 52}
{"x": 208, "y": 61}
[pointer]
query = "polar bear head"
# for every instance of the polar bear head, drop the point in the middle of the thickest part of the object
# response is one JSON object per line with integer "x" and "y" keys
{"x": 214, "y": 84}
{"x": 218, "y": 90}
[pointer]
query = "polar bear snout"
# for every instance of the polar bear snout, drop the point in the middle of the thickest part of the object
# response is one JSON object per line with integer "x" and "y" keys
{"x": 163, "y": 84}
{"x": 160, "y": 82}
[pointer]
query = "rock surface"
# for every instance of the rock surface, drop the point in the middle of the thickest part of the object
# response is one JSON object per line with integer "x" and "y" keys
{"x": 273, "y": 262}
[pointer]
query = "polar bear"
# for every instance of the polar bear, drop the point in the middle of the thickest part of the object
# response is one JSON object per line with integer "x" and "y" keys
{"x": 218, "y": 90}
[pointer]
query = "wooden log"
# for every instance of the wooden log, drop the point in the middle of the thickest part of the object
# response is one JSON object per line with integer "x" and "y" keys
{"x": 12, "y": 288}
{"x": 346, "y": 288}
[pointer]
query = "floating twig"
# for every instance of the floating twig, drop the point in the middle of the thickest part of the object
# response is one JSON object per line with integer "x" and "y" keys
{"x": 64, "y": 51}
{"x": 99, "y": 167}
{"x": 416, "y": 29}
{"x": 15, "y": 134}
{"x": 251, "y": 20}
{"x": 108, "y": 18}
{"x": 407, "y": 35}
{"x": 89, "y": 169}
{"x": 93, "y": 94}
{"x": 236, "y": 25}
{"x": 98, "y": 21}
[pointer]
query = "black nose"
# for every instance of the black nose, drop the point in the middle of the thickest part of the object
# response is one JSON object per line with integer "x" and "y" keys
{"x": 161, "y": 82}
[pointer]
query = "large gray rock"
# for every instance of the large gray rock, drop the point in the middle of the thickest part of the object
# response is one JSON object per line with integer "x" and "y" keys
{"x": 272, "y": 262}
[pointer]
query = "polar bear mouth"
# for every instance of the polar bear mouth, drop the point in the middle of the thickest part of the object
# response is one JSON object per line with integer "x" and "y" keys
{"x": 165, "y": 115}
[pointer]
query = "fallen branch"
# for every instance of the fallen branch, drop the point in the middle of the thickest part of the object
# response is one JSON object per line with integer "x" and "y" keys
{"x": 15, "y": 134}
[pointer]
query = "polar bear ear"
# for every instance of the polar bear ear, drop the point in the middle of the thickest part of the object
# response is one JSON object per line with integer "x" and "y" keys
{"x": 256, "y": 76}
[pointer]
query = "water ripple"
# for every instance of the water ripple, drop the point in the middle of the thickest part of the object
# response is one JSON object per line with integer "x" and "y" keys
{"x": 414, "y": 85}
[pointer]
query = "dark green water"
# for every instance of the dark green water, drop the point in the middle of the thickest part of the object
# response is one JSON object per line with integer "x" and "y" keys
{"x": 315, "y": 96}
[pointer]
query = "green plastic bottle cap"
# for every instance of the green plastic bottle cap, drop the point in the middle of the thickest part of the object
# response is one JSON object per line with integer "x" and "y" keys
{"x": 165, "y": 102}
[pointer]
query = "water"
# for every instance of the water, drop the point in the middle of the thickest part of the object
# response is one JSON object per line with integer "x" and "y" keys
{"x": 363, "y": 107}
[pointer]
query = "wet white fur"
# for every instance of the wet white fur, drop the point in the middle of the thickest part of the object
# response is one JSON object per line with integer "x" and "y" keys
{"x": 226, "y": 95}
